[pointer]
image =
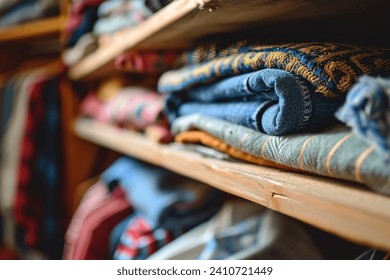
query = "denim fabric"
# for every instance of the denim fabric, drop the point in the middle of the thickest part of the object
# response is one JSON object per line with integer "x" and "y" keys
{"x": 336, "y": 153}
{"x": 367, "y": 111}
{"x": 163, "y": 198}
{"x": 272, "y": 101}
{"x": 331, "y": 68}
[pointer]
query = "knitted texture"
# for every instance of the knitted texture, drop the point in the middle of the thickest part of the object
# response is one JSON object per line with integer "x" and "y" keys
{"x": 331, "y": 68}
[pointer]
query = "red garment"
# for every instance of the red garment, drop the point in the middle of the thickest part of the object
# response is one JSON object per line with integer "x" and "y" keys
{"x": 94, "y": 235}
{"x": 28, "y": 204}
{"x": 93, "y": 198}
{"x": 146, "y": 61}
{"x": 140, "y": 240}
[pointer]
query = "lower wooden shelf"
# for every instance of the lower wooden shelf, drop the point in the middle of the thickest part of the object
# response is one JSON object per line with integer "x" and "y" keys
{"x": 342, "y": 208}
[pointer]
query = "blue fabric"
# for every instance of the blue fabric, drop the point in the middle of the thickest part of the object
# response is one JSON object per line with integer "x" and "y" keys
{"x": 272, "y": 101}
{"x": 367, "y": 111}
{"x": 163, "y": 198}
{"x": 47, "y": 173}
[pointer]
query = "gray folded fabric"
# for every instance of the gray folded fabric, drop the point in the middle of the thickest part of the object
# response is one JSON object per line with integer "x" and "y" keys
{"x": 336, "y": 153}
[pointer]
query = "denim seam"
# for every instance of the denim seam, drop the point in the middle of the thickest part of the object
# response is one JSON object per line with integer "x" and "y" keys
{"x": 307, "y": 104}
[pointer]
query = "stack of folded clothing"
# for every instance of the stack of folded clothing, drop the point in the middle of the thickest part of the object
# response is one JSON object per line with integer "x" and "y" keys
{"x": 115, "y": 15}
{"x": 135, "y": 209}
{"x": 256, "y": 98}
{"x": 93, "y": 22}
{"x": 13, "y": 12}
{"x": 134, "y": 108}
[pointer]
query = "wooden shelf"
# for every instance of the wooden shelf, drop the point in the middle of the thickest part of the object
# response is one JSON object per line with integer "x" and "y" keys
{"x": 342, "y": 208}
{"x": 44, "y": 28}
{"x": 182, "y": 22}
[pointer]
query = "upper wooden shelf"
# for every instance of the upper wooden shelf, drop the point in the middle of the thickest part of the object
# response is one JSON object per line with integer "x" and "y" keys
{"x": 39, "y": 29}
{"x": 340, "y": 207}
{"x": 182, "y": 22}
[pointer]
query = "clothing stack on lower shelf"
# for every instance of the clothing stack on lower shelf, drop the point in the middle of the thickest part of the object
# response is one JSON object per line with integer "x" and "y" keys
{"x": 138, "y": 211}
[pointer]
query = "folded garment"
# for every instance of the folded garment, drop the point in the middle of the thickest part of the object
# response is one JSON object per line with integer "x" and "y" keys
{"x": 146, "y": 61}
{"x": 132, "y": 108}
{"x": 135, "y": 107}
{"x": 335, "y": 153}
{"x": 302, "y": 92}
{"x": 242, "y": 230}
{"x": 83, "y": 15}
{"x": 367, "y": 111}
{"x": 272, "y": 101}
{"x": 215, "y": 143}
{"x": 114, "y": 7}
{"x": 139, "y": 240}
{"x": 116, "y": 15}
{"x": 92, "y": 242}
{"x": 112, "y": 24}
{"x": 29, "y": 10}
{"x": 86, "y": 44}
{"x": 331, "y": 68}
{"x": 164, "y": 199}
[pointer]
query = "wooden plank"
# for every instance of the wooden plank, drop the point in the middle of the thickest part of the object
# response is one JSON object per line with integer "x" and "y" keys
{"x": 342, "y": 208}
{"x": 45, "y": 28}
{"x": 181, "y": 23}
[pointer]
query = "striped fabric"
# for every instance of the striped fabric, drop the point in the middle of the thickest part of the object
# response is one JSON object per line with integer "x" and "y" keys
{"x": 335, "y": 153}
{"x": 95, "y": 196}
